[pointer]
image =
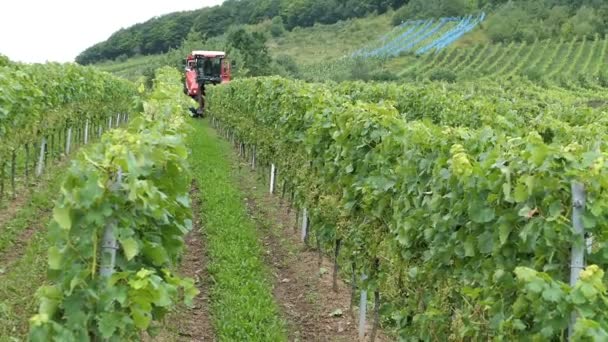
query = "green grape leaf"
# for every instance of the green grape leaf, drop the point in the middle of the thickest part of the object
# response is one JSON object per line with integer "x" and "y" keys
{"x": 55, "y": 258}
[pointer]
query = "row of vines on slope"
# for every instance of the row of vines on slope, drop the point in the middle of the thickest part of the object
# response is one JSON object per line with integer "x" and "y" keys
{"x": 571, "y": 64}
{"x": 127, "y": 194}
{"x": 464, "y": 230}
{"x": 45, "y": 109}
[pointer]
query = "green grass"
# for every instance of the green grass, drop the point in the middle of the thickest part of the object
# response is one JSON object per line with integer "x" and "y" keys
{"x": 321, "y": 43}
{"x": 20, "y": 280}
{"x": 40, "y": 202}
{"x": 243, "y": 307}
{"x": 18, "y": 286}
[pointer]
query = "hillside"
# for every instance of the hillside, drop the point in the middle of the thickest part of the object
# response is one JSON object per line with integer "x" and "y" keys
{"x": 160, "y": 34}
{"x": 548, "y": 41}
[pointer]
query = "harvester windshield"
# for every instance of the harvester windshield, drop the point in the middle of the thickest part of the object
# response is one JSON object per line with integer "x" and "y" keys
{"x": 209, "y": 68}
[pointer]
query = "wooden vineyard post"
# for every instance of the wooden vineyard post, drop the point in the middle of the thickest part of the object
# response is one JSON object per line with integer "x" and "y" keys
{"x": 253, "y": 158}
{"x": 46, "y": 152}
{"x": 577, "y": 261}
{"x": 336, "y": 266}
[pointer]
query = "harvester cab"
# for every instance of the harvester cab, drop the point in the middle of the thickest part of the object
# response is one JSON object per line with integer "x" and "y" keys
{"x": 204, "y": 68}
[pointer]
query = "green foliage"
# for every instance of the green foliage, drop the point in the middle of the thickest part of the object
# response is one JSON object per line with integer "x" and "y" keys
{"x": 134, "y": 183}
{"x": 544, "y": 305}
{"x": 533, "y": 74}
{"x": 422, "y": 9}
{"x": 251, "y": 47}
{"x": 287, "y": 66}
{"x": 542, "y": 19}
{"x": 442, "y": 75}
{"x": 448, "y": 187}
{"x": 4, "y": 61}
{"x": 39, "y": 99}
{"x": 277, "y": 28}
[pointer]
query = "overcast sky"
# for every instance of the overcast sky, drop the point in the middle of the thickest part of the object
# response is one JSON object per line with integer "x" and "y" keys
{"x": 58, "y": 30}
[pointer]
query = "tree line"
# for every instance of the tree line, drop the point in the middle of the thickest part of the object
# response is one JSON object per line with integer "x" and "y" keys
{"x": 160, "y": 34}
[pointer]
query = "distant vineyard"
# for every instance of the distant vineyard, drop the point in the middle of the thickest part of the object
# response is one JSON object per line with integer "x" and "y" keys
{"x": 421, "y": 36}
{"x": 580, "y": 60}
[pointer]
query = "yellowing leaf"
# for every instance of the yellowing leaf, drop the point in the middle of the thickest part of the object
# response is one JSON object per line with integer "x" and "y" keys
{"x": 62, "y": 217}
{"x": 130, "y": 248}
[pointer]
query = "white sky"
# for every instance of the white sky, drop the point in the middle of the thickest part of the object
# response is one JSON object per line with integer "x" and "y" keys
{"x": 58, "y": 30}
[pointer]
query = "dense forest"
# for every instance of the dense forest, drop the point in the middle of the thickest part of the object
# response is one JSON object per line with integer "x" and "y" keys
{"x": 512, "y": 20}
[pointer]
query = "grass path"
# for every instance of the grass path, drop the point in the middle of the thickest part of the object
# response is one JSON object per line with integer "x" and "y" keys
{"x": 242, "y": 303}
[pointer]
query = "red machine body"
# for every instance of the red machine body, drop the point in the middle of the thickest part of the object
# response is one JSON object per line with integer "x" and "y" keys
{"x": 205, "y": 67}
{"x": 191, "y": 83}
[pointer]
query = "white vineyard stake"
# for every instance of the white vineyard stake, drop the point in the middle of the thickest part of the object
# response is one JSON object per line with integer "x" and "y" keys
{"x": 68, "y": 141}
{"x": 109, "y": 245}
{"x": 577, "y": 261}
{"x": 100, "y": 130}
{"x": 273, "y": 170}
{"x": 110, "y": 122}
{"x": 41, "y": 158}
{"x": 117, "y": 119}
{"x": 362, "y": 310}
{"x": 86, "y": 132}
{"x": 108, "y": 250}
{"x": 304, "y": 224}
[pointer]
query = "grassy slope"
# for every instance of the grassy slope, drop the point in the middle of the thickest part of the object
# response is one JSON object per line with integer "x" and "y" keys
{"x": 243, "y": 307}
{"x": 328, "y": 42}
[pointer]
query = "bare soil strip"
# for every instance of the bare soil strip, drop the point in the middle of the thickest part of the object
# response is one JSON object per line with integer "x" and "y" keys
{"x": 302, "y": 287}
{"x": 193, "y": 324}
